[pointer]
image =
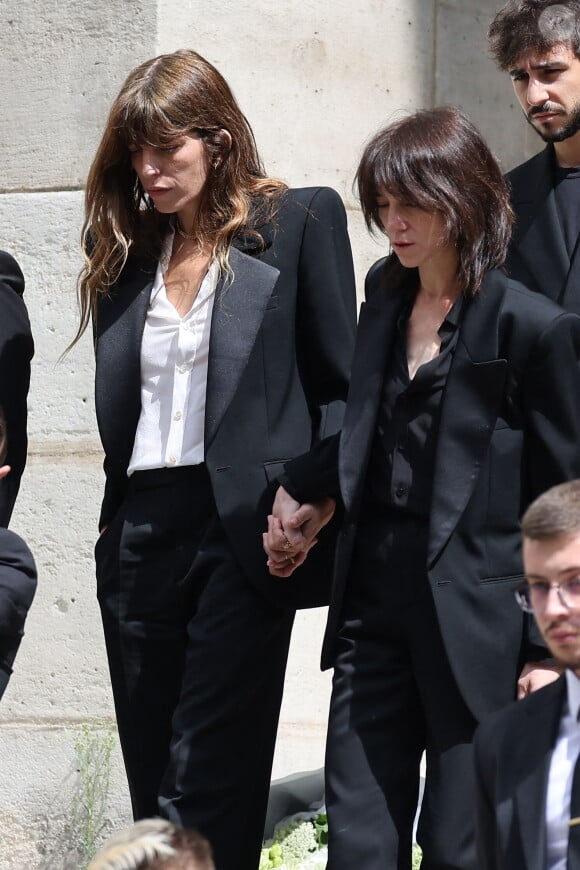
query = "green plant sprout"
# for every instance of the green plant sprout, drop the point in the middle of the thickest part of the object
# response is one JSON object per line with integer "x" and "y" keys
{"x": 93, "y": 748}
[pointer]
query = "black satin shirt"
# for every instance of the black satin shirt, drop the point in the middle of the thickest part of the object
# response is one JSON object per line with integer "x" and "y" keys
{"x": 400, "y": 473}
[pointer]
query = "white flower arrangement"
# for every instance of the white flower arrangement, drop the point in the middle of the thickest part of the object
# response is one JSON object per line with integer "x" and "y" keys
{"x": 300, "y": 843}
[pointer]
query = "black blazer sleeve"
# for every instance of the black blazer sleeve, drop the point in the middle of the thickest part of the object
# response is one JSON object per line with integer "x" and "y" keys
{"x": 16, "y": 351}
{"x": 553, "y": 414}
{"x": 325, "y": 332}
{"x": 17, "y": 588}
{"x": 326, "y": 311}
{"x": 314, "y": 475}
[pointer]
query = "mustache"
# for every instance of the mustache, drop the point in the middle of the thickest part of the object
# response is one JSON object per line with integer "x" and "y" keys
{"x": 558, "y": 625}
{"x": 552, "y": 108}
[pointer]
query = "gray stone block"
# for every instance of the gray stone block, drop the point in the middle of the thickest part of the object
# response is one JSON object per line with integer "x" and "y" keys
{"x": 60, "y": 65}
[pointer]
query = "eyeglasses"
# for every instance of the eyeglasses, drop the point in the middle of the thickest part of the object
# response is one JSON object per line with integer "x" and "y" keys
{"x": 533, "y": 596}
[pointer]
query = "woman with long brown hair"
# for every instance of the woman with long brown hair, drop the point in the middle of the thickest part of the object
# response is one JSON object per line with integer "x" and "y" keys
{"x": 223, "y": 311}
{"x": 464, "y": 405}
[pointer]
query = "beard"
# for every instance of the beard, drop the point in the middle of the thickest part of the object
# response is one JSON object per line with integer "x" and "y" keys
{"x": 566, "y": 655}
{"x": 570, "y": 127}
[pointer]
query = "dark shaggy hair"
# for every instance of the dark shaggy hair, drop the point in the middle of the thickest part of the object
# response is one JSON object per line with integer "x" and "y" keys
{"x": 436, "y": 160}
{"x": 533, "y": 25}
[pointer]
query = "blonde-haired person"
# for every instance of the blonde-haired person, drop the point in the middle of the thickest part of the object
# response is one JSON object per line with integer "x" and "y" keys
{"x": 223, "y": 310}
{"x": 154, "y": 844}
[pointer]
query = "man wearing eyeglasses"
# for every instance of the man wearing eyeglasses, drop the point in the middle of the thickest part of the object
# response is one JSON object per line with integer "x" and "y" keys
{"x": 528, "y": 790}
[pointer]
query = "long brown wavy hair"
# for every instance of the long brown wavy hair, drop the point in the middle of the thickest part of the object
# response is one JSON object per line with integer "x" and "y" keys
{"x": 437, "y": 160}
{"x": 162, "y": 100}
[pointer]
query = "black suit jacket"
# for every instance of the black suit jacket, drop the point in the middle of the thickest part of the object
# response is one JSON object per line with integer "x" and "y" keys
{"x": 537, "y": 255}
{"x": 513, "y": 750}
{"x": 16, "y": 351}
{"x": 509, "y": 428}
{"x": 281, "y": 343}
{"x": 17, "y": 588}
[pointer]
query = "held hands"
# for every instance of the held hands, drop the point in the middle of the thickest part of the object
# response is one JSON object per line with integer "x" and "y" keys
{"x": 292, "y": 530}
{"x": 534, "y": 675}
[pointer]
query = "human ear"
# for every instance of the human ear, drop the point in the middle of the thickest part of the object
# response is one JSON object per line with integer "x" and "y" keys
{"x": 224, "y": 144}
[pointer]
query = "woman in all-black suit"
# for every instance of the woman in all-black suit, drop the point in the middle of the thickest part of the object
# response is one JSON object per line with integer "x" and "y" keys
{"x": 464, "y": 405}
{"x": 223, "y": 309}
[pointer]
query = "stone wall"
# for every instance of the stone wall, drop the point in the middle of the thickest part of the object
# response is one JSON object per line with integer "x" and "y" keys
{"x": 316, "y": 79}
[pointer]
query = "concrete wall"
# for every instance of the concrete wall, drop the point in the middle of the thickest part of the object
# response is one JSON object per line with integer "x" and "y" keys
{"x": 316, "y": 79}
{"x": 465, "y": 76}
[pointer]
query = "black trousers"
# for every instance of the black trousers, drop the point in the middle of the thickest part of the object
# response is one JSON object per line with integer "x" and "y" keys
{"x": 197, "y": 660}
{"x": 393, "y": 697}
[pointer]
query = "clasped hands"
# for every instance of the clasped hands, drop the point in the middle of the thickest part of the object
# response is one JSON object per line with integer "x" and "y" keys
{"x": 292, "y": 531}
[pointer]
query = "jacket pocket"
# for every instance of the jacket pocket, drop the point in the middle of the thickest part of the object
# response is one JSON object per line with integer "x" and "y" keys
{"x": 506, "y": 578}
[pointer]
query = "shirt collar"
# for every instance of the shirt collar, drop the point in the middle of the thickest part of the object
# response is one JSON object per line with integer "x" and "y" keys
{"x": 454, "y": 313}
{"x": 453, "y": 319}
{"x": 448, "y": 326}
{"x": 573, "y": 686}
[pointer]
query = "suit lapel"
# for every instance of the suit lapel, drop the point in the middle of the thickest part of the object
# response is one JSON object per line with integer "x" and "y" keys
{"x": 469, "y": 409}
{"x": 120, "y": 323}
{"x": 237, "y": 315}
{"x": 121, "y": 317}
{"x": 375, "y": 335}
{"x": 534, "y": 754}
{"x": 539, "y": 229}
{"x": 570, "y": 297}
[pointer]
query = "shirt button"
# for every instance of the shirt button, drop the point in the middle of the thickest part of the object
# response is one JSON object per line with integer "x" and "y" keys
{"x": 186, "y": 325}
{"x": 401, "y": 491}
{"x": 183, "y": 369}
{"x": 178, "y": 415}
{"x": 172, "y": 460}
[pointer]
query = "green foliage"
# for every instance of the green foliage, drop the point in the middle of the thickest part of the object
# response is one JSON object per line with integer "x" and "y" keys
{"x": 321, "y": 825}
{"x": 93, "y": 748}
